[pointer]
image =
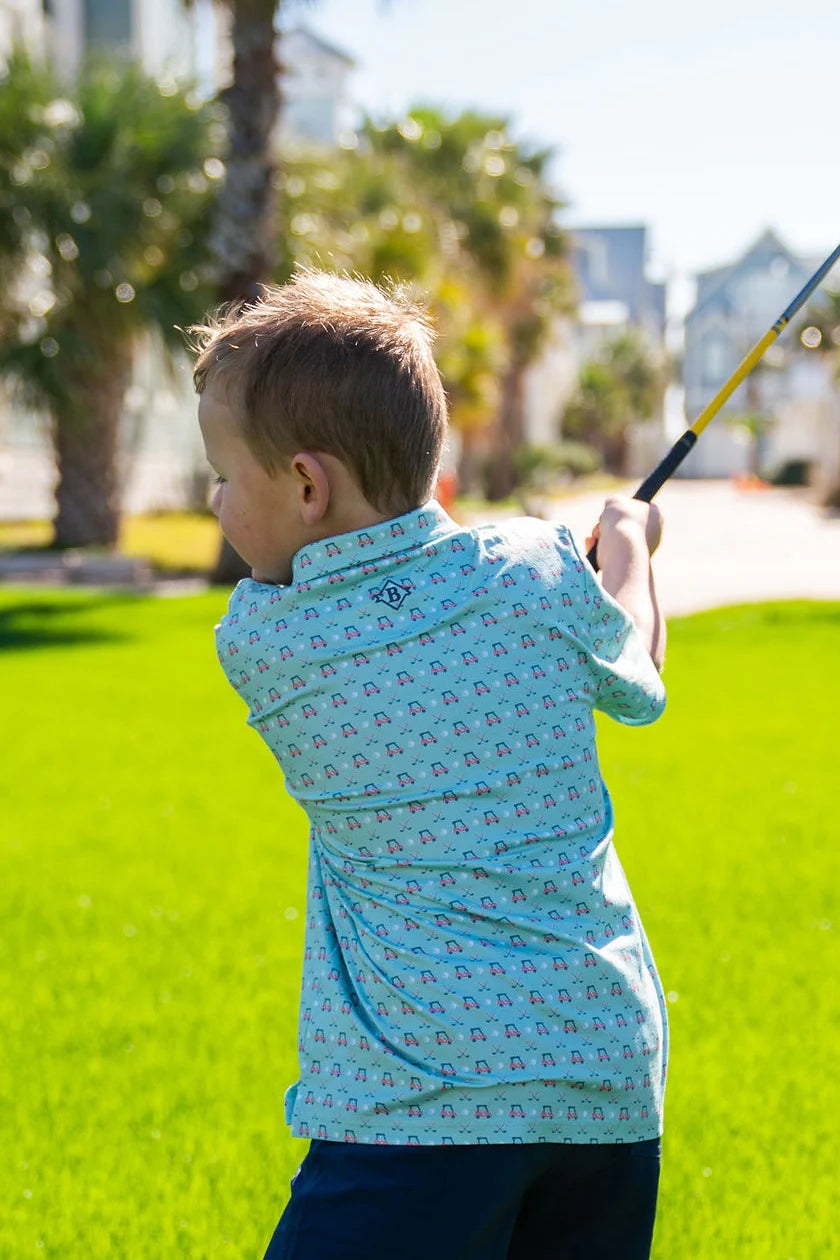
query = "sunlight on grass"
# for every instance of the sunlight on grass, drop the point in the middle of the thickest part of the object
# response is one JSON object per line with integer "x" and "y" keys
{"x": 25, "y": 533}
{"x": 152, "y": 896}
{"x": 171, "y": 540}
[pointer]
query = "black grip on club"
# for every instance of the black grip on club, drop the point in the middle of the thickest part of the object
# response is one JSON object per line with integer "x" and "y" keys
{"x": 657, "y": 479}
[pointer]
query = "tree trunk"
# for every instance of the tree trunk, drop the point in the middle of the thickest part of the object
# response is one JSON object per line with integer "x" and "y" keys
{"x": 755, "y": 411}
{"x": 242, "y": 237}
{"x": 85, "y": 441}
{"x": 502, "y": 477}
{"x": 470, "y": 480}
{"x": 230, "y": 568}
{"x": 614, "y": 452}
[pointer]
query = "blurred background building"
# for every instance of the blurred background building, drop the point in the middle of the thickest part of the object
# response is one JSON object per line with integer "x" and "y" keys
{"x": 615, "y": 293}
{"x": 189, "y": 43}
{"x": 788, "y": 404}
{"x": 164, "y": 36}
{"x": 615, "y": 297}
{"x": 315, "y": 89}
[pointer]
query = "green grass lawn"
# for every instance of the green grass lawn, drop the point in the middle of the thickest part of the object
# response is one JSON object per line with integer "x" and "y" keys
{"x": 152, "y": 894}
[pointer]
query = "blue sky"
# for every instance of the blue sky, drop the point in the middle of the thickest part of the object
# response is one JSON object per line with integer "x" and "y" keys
{"x": 708, "y": 123}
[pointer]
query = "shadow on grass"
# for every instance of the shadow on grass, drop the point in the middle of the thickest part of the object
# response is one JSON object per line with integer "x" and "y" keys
{"x": 47, "y": 623}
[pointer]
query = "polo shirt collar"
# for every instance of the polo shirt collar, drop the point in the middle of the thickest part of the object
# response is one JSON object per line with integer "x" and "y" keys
{"x": 364, "y": 546}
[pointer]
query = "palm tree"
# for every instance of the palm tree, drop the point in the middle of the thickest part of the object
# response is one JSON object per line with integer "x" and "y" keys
{"x": 241, "y": 237}
{"x": 104, "y": 201}
{"x": 362, "y": 211}
{"x": 625, "y": 384}
{"x": 496, "y": 194}
{"x": 242, "y": 234}
{"x": 458, "y": 207}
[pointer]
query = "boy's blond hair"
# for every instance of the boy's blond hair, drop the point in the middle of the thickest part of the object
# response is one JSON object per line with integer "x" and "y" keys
{"x": 333, "y": 364}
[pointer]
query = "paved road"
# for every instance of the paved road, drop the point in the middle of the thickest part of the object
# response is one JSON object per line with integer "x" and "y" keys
{"x": 724, "y": 545}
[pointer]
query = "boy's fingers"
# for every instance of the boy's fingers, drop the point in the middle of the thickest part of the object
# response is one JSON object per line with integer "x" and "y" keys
{"x": 646, "y": 515}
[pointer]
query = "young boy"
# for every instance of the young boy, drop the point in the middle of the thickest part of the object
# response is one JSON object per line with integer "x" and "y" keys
{"x": 482, "y": 1035}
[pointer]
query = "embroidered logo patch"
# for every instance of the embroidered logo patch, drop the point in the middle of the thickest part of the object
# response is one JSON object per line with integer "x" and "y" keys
{"x": 392, "y": 593}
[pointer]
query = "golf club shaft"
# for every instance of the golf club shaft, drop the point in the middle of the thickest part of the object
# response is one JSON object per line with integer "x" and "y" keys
{"x": 684, "y": 444}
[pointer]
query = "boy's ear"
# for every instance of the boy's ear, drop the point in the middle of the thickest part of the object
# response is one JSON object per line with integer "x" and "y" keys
{"x": 312, "y": 487}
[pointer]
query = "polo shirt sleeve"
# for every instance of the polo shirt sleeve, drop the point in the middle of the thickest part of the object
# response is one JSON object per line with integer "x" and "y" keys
{"x": 244, "y": 639}
{"x": 624, "y": 682}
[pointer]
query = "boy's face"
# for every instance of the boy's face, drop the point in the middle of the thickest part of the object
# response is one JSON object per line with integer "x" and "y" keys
{"x": 258, "y": 512}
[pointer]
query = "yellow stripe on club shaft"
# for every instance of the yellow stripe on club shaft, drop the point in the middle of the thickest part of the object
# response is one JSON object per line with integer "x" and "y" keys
{"x": 743, "y": 369}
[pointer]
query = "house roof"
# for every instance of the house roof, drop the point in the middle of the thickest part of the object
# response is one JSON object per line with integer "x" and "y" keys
{"x": 714, "y": 282}
{"x": 319, "y": 44}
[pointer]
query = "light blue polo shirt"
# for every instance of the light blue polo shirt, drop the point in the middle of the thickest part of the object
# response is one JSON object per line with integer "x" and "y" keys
{"x": 475, "y": 969}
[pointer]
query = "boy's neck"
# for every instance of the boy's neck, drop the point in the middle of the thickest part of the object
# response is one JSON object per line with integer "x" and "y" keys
{"x": 350, "y": 518}
{"x": 348, "y": 510}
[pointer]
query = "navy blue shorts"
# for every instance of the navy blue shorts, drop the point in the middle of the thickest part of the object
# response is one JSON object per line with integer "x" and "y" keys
{"x": 544, "y": 1201}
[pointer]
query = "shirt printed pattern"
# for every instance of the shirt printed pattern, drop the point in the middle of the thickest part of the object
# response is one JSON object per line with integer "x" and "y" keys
{"x": 475, "y": 969}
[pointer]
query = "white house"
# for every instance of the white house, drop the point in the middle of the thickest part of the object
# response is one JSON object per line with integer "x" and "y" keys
{"x": 314, "y": 88}
{"x": 166, "y": 37}
{"x": 792, "y": 386}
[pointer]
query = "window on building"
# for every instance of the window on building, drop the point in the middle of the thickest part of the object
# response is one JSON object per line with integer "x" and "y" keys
{"x": 596, "y": 252}
{"x": 107, "y": 22}
{"x": 311, "y": 120}
{"x": 715, "y": 361}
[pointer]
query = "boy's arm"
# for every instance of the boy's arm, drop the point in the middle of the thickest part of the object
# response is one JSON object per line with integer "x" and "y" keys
{"x": 627, "y": 535}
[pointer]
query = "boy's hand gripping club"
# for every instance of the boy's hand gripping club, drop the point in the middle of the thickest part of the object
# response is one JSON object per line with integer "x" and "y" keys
{"x": 683, "y": 445}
